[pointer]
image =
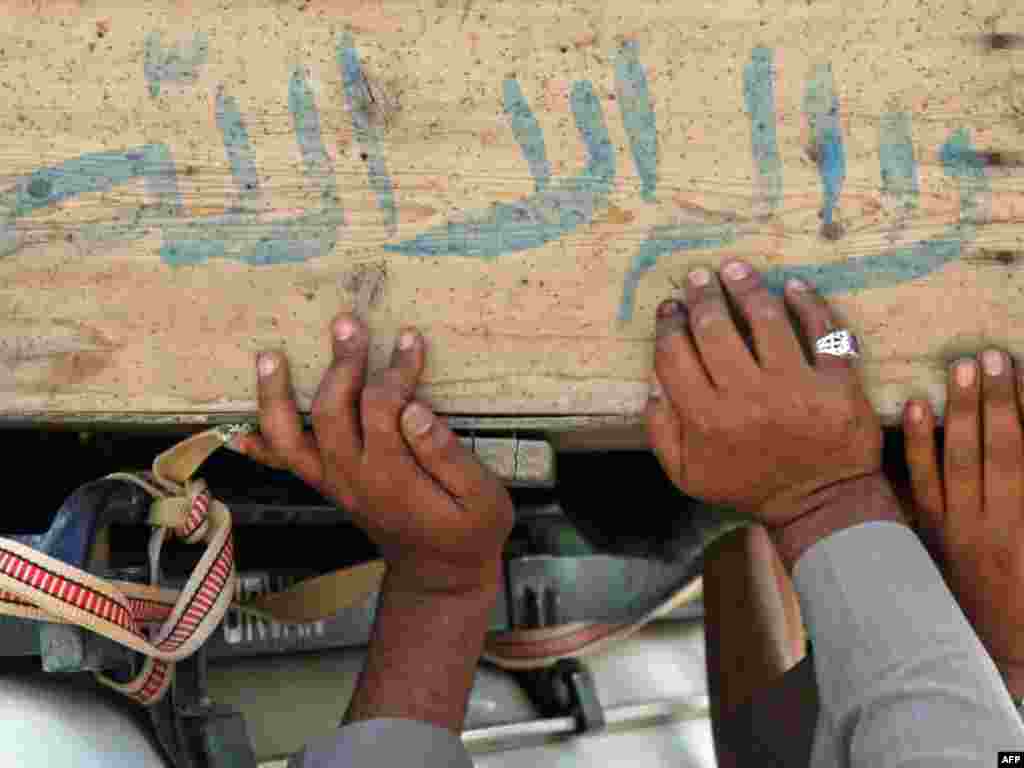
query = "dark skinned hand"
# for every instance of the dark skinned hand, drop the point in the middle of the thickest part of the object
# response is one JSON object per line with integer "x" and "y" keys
{"x": 439, "y": 517}
{"x": 762, "y": 429}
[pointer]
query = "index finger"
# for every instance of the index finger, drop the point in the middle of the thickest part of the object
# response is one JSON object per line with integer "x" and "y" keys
{"x": 281, "y": 427}
{"x": 677, "y": 364}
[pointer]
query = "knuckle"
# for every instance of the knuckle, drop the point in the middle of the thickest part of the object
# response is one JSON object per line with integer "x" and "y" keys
{"x": 274, "y": 433}
{"x": 963, "y": 405}
{"x": 707, "y": 314}
{"x": 848, "y": 414}
{"x": 760, "y": 304}
{"x": 378, "y": 417}
{"x": 707, "y": 426}
{"x": 390, "y": 384}
{"x": 1001, "y": 414}
{"x": 998, "y": 396}
{"x": 268, "y": 424}
{"x": 284, "y": 443}
{"x": 962, "y": 456}
{"x": 997, "y": 445}
{"x": 378, "y": 394}
{"x": 813, "y": 307}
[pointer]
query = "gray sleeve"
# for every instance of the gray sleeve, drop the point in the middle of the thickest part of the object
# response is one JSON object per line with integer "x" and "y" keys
{"x": 903, "y": 680}
{"x": 385, "y": 741}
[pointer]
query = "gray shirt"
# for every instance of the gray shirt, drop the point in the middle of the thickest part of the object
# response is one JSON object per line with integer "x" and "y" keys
{"x": 902, "y": 678}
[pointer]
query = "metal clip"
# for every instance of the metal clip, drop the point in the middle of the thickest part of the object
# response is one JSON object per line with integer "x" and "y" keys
{"x": 584, "y": 706}
{"x": 193, "y": 730}
{"x": 227, "y": 432}
{"x": 566, "y": 690}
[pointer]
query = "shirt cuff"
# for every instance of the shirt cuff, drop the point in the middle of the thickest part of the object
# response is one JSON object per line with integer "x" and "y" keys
{"x": 385, "y": 741}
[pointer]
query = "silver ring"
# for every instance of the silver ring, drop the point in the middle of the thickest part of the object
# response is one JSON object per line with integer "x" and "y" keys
{"x": 840, "y": 343}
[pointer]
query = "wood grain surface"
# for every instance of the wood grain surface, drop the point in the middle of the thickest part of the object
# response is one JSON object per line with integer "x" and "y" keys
{"x": 184, "y": 184}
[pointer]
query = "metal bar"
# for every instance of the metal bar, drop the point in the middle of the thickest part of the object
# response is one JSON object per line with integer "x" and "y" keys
{"x": 658, "y": 712}
{"x": 498, "y": 738}
{"x": 246, "y": 513}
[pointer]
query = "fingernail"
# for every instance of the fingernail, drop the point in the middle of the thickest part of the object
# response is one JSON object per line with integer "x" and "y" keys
{"x": 656, "y": 392}
{"x": 700, "y": 277}
{"x": 916, "y": 413}
{"x": 266, "y": 364}
{"x": 344, "y": 330}
{"x": 737, "y": 270}
{"x": 965, "y": 373}
{"x": 406, "y": 340}
{"x": 668, "y": 308}
{"x": 796, "y": 284}
{"x": 417, "y": 419}
{"x": 992, "y": 360}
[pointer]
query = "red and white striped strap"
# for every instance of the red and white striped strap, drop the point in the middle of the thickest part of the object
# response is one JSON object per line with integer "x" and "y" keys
{"x": 34, "y": 585}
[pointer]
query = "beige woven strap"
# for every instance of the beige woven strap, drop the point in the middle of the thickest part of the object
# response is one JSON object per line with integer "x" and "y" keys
{"x": 323, "y": 596}
{"x": 536, "y": 648}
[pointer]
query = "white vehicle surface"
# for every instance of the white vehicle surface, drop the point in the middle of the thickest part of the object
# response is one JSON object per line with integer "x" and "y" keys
{"x": 652, "y": 688}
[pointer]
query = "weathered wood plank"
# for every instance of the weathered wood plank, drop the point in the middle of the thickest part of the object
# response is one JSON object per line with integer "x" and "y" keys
{"x": 183, "y": 184}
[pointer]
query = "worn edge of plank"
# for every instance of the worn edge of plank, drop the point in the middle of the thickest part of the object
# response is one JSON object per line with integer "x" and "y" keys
{"x": 187, "y": 419}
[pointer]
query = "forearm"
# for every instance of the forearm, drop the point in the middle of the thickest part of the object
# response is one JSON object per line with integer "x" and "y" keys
{"x": 903, "y": 678}
{"x": 422, "y": 657}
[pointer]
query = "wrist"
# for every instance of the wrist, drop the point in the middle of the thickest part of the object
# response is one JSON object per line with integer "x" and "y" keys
{"x": 432, "y": 582}
{"x": 864, "y": 499}
{"x": 479, "y": 597}
{"x": 423, "y": 653}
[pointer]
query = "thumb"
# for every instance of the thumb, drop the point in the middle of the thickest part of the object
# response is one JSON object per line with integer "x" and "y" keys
{"x": 440, "y": 452}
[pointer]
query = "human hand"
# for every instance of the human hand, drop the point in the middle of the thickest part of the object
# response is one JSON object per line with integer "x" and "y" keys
{"x": 439, "y": 517}
{"x": 970, "y": 513}
{"x": 762, "y": 434}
